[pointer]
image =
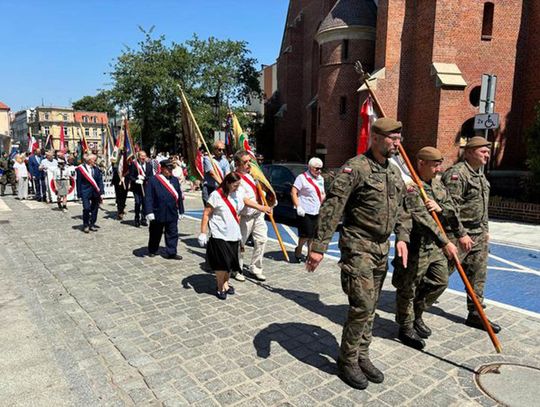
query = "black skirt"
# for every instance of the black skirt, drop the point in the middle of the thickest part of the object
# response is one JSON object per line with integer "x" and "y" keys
{"x": 222, "y": 255}
{"x": 307, "y": 225}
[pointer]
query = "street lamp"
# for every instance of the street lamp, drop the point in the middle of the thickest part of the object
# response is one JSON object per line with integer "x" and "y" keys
{"x": 215, "y": 109}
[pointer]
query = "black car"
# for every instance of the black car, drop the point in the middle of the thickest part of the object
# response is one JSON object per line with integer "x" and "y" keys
{"x": 282, "y": 177}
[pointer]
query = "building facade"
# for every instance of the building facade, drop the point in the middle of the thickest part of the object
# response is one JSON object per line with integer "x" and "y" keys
{"x": 426, "y": 59}
{"x": 94, "y": 126}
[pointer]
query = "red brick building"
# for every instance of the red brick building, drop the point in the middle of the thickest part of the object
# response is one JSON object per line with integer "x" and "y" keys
{"x": 428, "y": 59}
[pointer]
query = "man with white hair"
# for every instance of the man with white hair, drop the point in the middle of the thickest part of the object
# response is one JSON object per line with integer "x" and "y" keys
{"x": 90, "y": 190}
{"x": 307, "y": 196}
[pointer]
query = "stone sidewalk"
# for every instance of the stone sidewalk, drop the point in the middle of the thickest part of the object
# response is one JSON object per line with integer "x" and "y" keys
{"x": 89, "y": 320}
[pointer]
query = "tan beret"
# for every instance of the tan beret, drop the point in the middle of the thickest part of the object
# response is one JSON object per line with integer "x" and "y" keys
{"x": 476, "y": 142}
{"x": 429, "y": 154}
{"x": 386, "y": 126}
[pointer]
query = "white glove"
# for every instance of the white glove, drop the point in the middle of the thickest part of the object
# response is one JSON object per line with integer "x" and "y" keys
{"x": 276, "y": 203}
{"x": 150, "y": 217}
{"x": 181, "y": 216}
{"x": 203, "y": 239}
{"x": 300, "y": 211}
{"x": 141, "y": 177}
{"x": 139, "y": 181}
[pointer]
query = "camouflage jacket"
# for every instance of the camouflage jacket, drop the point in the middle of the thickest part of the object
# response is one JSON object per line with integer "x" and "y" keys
{"x": 425, "y": 231}
{"x": 470, "y": 192}
{"x": 369, "y": 197}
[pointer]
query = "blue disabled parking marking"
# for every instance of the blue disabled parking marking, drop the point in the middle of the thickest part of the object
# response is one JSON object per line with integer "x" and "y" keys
{"x": 513, "y": 272}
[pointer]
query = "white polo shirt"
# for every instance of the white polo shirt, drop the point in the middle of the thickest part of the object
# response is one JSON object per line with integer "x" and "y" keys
{"x": 249, "y": 193}
{"x": 307, "y": 195}
{"x": 222, "y": 223}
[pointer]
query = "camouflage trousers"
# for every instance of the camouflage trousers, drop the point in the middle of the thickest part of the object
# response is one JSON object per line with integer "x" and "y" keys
{"x": 362, "y": 277}
{"x": 8, "y": 179}
{"x": 475, "y": 266}
{"x": 420, "y": 284}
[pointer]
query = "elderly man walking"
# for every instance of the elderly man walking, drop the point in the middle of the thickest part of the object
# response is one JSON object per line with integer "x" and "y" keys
{"x": 90, "y": 189}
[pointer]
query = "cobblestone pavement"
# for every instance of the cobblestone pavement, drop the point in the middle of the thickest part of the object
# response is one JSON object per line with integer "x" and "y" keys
{"x": 105, "y": 325}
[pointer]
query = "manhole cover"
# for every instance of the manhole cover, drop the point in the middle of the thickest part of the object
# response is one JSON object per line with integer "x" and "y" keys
{"x": 510, "y": 384}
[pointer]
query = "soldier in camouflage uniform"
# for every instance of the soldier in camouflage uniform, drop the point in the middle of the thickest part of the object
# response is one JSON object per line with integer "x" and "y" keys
{"x": 368, "y": 192}
{"x": 426, "y": 275}
{"x": 7, "y": 175}
{"x": 469, "y": 189}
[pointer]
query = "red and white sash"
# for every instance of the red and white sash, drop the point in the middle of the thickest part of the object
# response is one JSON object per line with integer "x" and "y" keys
{"x": 314, "y": 185}
{"x": 89, "y": 177}
{"x": 168, "y": 186}
{"x": 229, "y": 204}
{"x": 252, "y": 185}
{"x": 140, "y": 169}
{"x": 219, "y": 169}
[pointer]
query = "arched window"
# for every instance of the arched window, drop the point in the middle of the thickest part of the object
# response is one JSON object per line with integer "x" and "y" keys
{"x": 487, "y": 21}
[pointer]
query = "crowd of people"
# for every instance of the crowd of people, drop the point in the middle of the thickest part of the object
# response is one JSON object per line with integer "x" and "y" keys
{"x": 368, "y": 197}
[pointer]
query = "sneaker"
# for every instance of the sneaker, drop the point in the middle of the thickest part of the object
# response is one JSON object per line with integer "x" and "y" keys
{"x": 231, "y": 290}
{"x": 239, "y": 277}
{"x": 258, "y": 276}
{"x": 222, "y": 295}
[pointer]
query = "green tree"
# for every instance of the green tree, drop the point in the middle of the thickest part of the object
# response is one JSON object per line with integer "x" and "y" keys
{"x": 101, "y": 102}
{"x": 533, "y": 157}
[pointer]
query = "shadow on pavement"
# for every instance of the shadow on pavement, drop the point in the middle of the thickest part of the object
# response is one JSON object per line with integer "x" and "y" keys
{"x": 141, "y": 252}
{"x": 201, "y": 283}
{"x": 278, "y": 255}
{"x": 309, "y": 344}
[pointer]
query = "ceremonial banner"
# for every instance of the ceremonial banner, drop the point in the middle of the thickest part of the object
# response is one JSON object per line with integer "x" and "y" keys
{"x": 191, "y": 141}
{"x": 367, "y": 115}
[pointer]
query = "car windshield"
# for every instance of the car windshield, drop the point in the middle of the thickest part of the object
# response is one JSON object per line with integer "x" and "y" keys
{"x": 297, "y": 169}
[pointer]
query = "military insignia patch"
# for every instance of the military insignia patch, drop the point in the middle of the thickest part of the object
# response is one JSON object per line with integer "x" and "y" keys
{"x": 410, "y": 189}
{"x": 454, "y": 177}
{"x": 347, "y": 170}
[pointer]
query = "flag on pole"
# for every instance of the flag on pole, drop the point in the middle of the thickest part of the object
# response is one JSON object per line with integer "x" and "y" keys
{"x": 128, "y": 141}
{"x": 84, "y": 143}
{"x": 32, "y": 143}
{"x": 191, "y": 141}
{"x": 367, "y": 115}
{"x": 256, "y": 171}
{"x": 62, "y": 140}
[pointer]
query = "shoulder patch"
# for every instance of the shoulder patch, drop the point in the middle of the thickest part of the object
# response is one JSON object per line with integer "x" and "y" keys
{"x": 347, "y": 170}
{"x": 454, "y": 177}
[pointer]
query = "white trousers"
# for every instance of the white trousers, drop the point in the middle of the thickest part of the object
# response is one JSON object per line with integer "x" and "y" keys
{"x": 255, "y": 226}
{"x": 22, "y": 188}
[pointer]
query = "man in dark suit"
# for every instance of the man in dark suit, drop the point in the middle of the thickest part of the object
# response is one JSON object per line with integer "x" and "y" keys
{"x": 140, "y": 172}
{"x": 121, "y": 186}
{"x": 90, "y": 189}
{"x": 164, "y": 206}
{"x": 38, "y": 176}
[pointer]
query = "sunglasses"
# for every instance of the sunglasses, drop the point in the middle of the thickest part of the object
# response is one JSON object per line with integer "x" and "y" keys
{"x": 317, "y": 168}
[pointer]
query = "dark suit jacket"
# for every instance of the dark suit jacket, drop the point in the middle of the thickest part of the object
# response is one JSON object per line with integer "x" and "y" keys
{"x": 33, "y": 167}
{"x": 85, "y": 189}
{"x": 133, "y": 174}
{"x": 161, "y": 203}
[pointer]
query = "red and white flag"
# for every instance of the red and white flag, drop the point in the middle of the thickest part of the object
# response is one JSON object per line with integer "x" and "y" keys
{"x": 32, "y": 143}
{"x": 367, "y": 116}
{"x": 62, "y": 140}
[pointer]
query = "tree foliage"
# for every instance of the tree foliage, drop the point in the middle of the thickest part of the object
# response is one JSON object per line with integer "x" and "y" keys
{"x": 145, "y": 83}
{"x": 101, "y": 102}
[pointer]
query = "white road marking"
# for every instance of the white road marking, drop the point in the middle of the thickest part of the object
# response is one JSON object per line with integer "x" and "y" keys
{"x": 291, "y": 233}
{"x": 4, "y": 207}
{"x": 519, "y": 267}
{"x": 35, "y": 204}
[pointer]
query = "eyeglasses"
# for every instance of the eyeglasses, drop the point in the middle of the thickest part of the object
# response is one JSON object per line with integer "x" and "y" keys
{"x": 220, "y": 149}
{"x": 317, "y": 168}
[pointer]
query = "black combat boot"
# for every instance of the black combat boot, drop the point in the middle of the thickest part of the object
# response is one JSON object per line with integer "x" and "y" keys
{"x": 373, "y": 374}
{"x": 421, "y": 328}
{"x": 474, "y": 320}
{"x": 409, "y": 337}
{"x": 352, "y": 375}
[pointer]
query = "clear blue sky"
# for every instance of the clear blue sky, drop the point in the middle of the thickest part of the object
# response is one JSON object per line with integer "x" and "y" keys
{"x": 59, "y": 50}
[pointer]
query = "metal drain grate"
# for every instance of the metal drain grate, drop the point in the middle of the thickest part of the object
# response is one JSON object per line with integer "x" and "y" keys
{"x": 510, "y": 384}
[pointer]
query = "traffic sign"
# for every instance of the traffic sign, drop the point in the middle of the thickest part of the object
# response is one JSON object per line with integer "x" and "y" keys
{"x": 486, "y": 121}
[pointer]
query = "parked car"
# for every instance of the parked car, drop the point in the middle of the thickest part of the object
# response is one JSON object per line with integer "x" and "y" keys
{"x": 282, "y": 176}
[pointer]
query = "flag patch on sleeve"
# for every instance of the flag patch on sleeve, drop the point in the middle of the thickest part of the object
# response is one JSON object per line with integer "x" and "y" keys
{"x": 454, "y": 177}
{"x": 347, "y": 170}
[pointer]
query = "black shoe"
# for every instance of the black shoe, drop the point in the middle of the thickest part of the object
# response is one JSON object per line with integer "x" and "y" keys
{"x": 151, "y": 254}
{"x": 352, "y": 375}
{"x": 373, "y": 374}
{"x": 93, "y": 228}
{"x": 86, "y": 229}
{"x": 174, "y": 257}
{"x": 222, "y": 295}
{"x": 410, "y": 338}
{"x": 144, "y": 223}
{"x": 120, "y": 216}
{"x": 474, "y": 320}
{"x": 137, "y": 223}
{"x": 295, "y": 259}
{"x": 231, "y": 290}
{"x": 421, "y": 328}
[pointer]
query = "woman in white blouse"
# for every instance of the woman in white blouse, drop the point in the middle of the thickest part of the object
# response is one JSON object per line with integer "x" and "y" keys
{"x": 307, "y": 196}
{"x": 221, "y": 216}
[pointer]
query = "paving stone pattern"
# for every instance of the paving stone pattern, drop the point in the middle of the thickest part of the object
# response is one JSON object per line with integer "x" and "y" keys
{"x": 125, "y": 329}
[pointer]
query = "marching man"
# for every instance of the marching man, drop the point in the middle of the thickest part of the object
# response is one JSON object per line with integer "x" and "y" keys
{"x": 140, "y": 172}
{"x": 164, "y": 205}
{"x": 90, "y": 190}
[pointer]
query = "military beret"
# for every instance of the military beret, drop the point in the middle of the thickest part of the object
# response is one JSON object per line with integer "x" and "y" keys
{"x": 167, "y": 164}
{"x": 429, "y": 154}
{"x": 476, "y": 142}
{"x": 386, "y": 126}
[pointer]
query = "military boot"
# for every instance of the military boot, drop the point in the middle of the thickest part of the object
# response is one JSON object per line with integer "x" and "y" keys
{"x": 409, "y": 337}
{"x": 352, "y": 375}
{"x": 474, "y": 320}
{"x": 421, "y": 328}
{"x": 372, "y": 373}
